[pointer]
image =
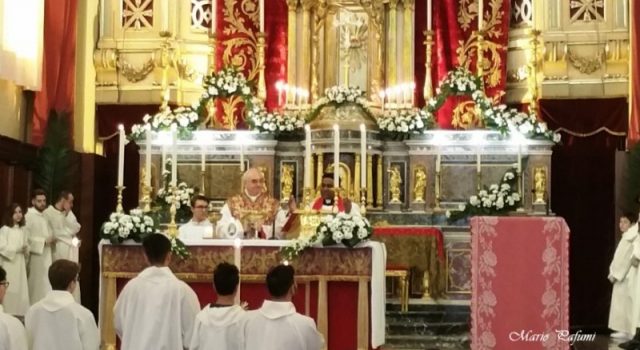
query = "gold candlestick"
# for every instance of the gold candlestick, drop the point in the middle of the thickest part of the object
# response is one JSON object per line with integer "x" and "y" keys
{"x": 437, "y": 190}
{"x": 336, "y": 191}
{"x": 212, "y": 53}
{"x": 262, "y": 92}
{"x": 146, "y": 198}
{"x": 307, "y": 198}
{"x": 532, "y": 79}
{"x": 521, "y": 190}
{"x": 165, "y": 62}
{"x": 428, "y": 84}
{"x": 172, "y": 229}
{"x": 479, "y": 180}
{"x": 479, "y": 63}
{"x": 363, "y": 200}
{"x": 202, "y": 177}
{"x": 119, "y": 208}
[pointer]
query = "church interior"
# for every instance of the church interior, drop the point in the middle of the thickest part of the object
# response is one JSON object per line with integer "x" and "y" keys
{"x": 440, "y": 174}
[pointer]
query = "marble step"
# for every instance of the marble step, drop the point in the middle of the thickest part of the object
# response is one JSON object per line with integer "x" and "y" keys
{"x": 427, "y": 316}
{"x": 440, "y": 328}
{"x": 427, "y": 342}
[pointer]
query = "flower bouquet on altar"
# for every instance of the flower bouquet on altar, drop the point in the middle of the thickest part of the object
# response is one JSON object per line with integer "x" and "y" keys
{"x": 497, "y": 199}
{"x": 399, "y": 124}
{"x": 343, "y": 228}
{"x": 183, "y": 194}
{"x": 120, "y": 227}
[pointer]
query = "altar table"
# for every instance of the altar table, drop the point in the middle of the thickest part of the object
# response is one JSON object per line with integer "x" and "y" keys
{"x": 416, "y": 247}
{"x": 341, "y": 289}
{"x": 520, "y": 283}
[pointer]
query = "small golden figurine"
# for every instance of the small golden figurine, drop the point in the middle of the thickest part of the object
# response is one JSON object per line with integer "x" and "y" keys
{"x": 420, "y": 185}
{"x": 286, "y": 183}
{"x": 539, "y": 184}
{"x": 394, "y": 184}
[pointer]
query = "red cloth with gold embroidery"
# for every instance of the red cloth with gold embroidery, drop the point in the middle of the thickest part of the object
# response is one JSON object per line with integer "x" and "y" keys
{"x": 264, "y": 204}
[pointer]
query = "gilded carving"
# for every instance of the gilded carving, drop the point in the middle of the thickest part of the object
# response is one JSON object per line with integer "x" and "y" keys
{"x": 585, "y": 65}
{"x": 134, "y": 74}
{"x": 395, "y": 182}
{"x": 286, "y": 177}
{"x": 539, "y": 185}
{"x": 420, "y": 184}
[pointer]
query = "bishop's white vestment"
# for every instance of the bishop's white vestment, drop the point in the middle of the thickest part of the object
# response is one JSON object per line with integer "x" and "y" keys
{"x": 155, "y": 310}
{"x": 41, "y": 255}
{"x": 12, "y": 333}
{"x": 12, "y": 259}
{"x": 621, "y": 300}
{"x": 220, "y": 328}
{"x": 65, "y": 227}
{"x": 277, "y": 325}
{"x": 57, "y": 322}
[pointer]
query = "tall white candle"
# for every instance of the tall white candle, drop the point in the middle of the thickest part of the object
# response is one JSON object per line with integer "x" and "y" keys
{"x": 164, "y": 8}
{"x": 237, "y": 254}
{"x": 413, "y": 93}
{"x": 438, "y": 160}
{"x": 363, "y": 157}
{"x": 147, "y": 158}
{"x": 478, "y": 165}
{"x": 336, "y": 155}
{"x": 203, "y": 159}
{"x": 214, "y": 10}
{"x": 480, "y": 12}
{"x": 241, "y": 157}
{"x": 279, "y": 88}
{"x": 174, "y": 156}
{"x": 429, "y": 15}
{"x": 261, "y": 16}
{"x": 164, "y": 159}
{"x": 519, "y": 158}
{"x": 120, "y": 155}
{"x": 307, "y": 156}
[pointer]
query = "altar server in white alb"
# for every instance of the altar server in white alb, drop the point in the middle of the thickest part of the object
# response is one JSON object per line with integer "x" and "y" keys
{"x": 14, "y": 250}
{"x": 12, "y": 332}
{"x": 199, "y": 226}
{"x": 41, "y": 241}
{"x": 57, "y": 322}
{"x": 277, "y": 325}
{"x": 619, "y": 315}
{"x": 65, "y": 227}
{"x": 220, "y": 325}
{"x": 156, "y": 310}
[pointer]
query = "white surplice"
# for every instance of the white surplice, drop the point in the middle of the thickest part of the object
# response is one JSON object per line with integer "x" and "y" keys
{"x": 12, "y": 259}
{"x": 277, "y": 325}
{"x": 57, "y": 322}
{"x": 41, "y": 256}
{"x": 621, "y": 299}
{"x": 195, "y": 231}
{"x": 65, "y": 227}
{"x": 12, "y": 333}
{"x": 155, "y": 310}
{"x": 220, "y": 328}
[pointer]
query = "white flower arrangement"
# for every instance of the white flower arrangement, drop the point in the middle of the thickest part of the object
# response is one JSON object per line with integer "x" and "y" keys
{"x": 405, "y": 122}
{"x": 339, "y": 95}
{"x": 495, "y": 117}
{"x": 342, "y": 228}
{"x": 183, "y": 194}
{"x": 186, "y": 119}
{"x": 120, "y": 226}
{"x": 273, "y": 123}
{"x": 226, "y": 82}
{"x": 493, "y": 200}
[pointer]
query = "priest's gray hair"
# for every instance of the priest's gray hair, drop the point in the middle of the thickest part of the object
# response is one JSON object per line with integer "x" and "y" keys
{"x": 245, "y": 176}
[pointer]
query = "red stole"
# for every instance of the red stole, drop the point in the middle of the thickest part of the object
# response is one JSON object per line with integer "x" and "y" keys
{"x": 319, "y": 202}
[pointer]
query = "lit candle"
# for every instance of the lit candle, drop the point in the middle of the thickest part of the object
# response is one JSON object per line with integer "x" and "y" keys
{"x": 429, "y": 14}
{"x": 164, "y": 8}
{"x": 438, "y": 160}
{"x": 237, "y": 251}
{"x": 480, "y": 11}
{"x": 336, "y": 156}
{"x": 164, "y": 159}
{"x": 147, "y": 158}
{"x": 279, "y": 88}
{"x": 307, "y": 156}
{"x": 363, "y": 157}
{"x": 120, "y": 155}
{"x": 241, "y": 157}
{"x": 413, "y": 93}
{"x": 478, "y": 167}
{"x": 203, "y": 160}
{"x": 261, "y": 16}
{"x": 174, "y": 156}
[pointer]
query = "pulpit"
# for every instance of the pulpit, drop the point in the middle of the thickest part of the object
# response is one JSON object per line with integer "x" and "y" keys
{"x": 341, "y": 289}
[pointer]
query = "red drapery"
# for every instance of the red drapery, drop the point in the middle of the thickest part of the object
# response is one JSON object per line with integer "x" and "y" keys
{"x": 58, "y": 71}
{"x": 634, "y": 116}
{"x": 455, "y": 25}
{"x": 275, "y": 21}
{"x": 583, "y": 179}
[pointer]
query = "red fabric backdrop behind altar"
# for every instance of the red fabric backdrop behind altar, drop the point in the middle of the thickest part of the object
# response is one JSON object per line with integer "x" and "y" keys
{"x": 275, "y": 22}
{"x": 582, "y": 179}
{"x": 634, "y": 121}
{"x": 454, "y": 31}
{"x": 58, "y": 65}
{"x": 519, "y": 282}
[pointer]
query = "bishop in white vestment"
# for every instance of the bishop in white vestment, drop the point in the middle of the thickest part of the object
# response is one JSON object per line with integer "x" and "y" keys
{"x": 57, "y": 322}
{"x": 41, "y": 240}
{"x": 156, "y": 310}
{"x": 12, "y": 332}
{"x": 13, "y": 248}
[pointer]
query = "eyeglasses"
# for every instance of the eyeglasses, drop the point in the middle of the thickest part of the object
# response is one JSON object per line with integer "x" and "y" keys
{"x": 5, "y": 283}
{"x": 201, "y": 207}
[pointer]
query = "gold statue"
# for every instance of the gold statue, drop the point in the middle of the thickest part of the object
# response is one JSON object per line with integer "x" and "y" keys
{"x": 420, "y": 185}
{"x": 286, "y": 183}
{"x": 394, "y": 184}
{"x": 539, "y": 184}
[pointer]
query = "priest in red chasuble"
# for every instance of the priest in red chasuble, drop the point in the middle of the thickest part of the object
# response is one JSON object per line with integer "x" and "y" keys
{"x": 251, "y": 214}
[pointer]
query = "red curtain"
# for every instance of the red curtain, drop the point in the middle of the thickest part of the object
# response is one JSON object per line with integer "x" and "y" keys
{"x": 58, "y": 71}
{"x": 275, "y": 22}
{"x": 634, "y": 116}
{"x": 582, "y": 180}
{"x": 455, "y": 26}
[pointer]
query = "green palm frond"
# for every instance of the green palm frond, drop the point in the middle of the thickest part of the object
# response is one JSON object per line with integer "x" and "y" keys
{"x": 54, "y": 157}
